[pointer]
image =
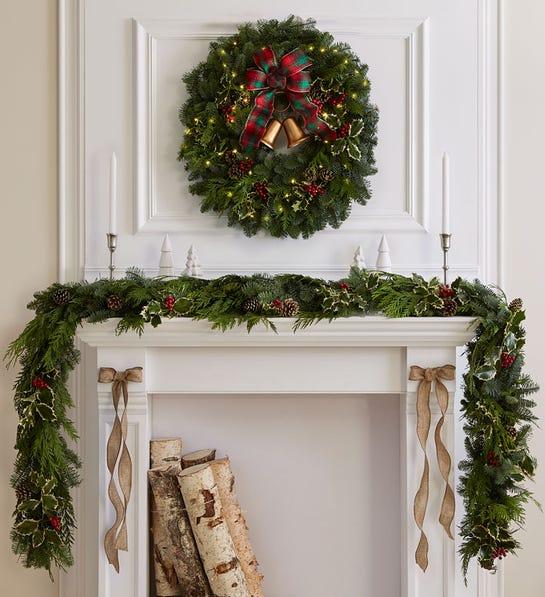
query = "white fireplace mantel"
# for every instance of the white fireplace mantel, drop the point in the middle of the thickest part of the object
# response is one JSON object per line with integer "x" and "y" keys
{"x": 355, "y": 355}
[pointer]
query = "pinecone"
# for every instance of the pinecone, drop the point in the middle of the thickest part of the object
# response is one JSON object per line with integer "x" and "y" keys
{"x": 516, "y": 305}
{"x": 512, "y": 431}
{"x": 326, "y": 175}
{"x": 23, "y": 492}
{"x": 290, "y": 308}
{"x": 252, "y": 305}
{"x": 61, "y": 296}
{"x": 114, "y": 302}
{"x": 450, "y": 307}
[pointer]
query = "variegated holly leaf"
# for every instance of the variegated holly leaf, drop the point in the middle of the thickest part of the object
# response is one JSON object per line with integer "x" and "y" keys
{"x": 510, "y": 342}
{"x": 27, "y": 527}
{"x": 38, "y": 537}
{"x": 28, "y": 505}
{"x": 353, "y": 150}
{"x": 47, "y": 485}
{"x": 46, "y": 412}
{"x": 49, "y": 502}
{"x": 356, "y": 128}
{"x": 485, "y": 373}
{"x": 52, "y": 537}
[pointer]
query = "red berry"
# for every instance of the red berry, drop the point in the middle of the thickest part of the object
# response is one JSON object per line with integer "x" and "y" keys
{"x": 39, "y": 383}
{"x": 499, "y": 553}
{"x": 343, "y": 131}
{"x": 344, "y": 286}
{"x": 492, "y": 459}
{"x": 170, "y": 300}
{"x": 445, "y": 291}
{"x": 507, "y": 360}
{"x": 277, "y": 304}
{"x": 55, "y": 522}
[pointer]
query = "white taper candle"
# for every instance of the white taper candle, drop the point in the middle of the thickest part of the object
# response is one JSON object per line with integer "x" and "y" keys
{"x": 113, "y": 195}
{"x": 446, "y": 194}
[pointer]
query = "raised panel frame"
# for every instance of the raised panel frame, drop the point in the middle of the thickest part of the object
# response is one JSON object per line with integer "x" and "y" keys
{"x": 414, "y": 33}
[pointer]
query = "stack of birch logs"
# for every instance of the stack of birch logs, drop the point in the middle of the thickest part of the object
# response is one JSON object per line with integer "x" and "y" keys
{"x": 199, "y": 535}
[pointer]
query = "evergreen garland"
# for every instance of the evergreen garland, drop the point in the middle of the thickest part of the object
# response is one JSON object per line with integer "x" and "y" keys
{"x": 497, "y": 407}
{"x": 285, "y": 194}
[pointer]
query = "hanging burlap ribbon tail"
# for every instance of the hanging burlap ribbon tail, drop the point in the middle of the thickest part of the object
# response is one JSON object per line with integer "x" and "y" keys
{"x": 116, "y": 537}
{"x": 426, "y": 377}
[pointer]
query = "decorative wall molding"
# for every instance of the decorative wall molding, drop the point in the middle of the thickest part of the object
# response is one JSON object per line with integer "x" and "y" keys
{"x": 414, "y": 32}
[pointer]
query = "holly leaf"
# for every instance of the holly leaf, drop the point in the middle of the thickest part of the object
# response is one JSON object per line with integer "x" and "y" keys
{"x": 510, "y": 342}
{"x": 356, "y": 128}
{"x": 27, "y": 527}
{"x": 52, "y": 536}
{"x": 155, "y": 320}
{"x": 485, "y": 373}
{"x": 38, "y": 537}
{"x": 354, "y": 151}
{"x": 48, "y": 486}
{"x": 46, "y": 412}
{"x": 28, "y": 505}
{"x": 50, "y": 502}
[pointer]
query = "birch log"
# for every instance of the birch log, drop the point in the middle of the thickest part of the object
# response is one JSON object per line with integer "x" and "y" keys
{"x": 198, "y": 457}
{"x": 163, "y": 451}
{"x": 182, "y": 549}
{"x": 225, "y": 480}
{"x": 207, "y": 518}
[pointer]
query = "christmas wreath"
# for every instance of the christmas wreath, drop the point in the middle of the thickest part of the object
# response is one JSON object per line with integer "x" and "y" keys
{"x": 267, "y": 78}
{"x": 497, "y": 407}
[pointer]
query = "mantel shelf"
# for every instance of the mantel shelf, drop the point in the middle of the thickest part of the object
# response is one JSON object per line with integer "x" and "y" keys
{"x": 350, "y": 331}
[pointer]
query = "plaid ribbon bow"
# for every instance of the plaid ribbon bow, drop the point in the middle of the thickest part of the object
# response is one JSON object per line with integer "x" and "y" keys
{"x": 288, "y": 77}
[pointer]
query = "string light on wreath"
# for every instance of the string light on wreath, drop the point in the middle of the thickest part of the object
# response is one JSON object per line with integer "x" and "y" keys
{"x": 279, "y": 77}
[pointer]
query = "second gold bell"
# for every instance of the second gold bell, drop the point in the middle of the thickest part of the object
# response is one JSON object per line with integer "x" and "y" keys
{"x": 294, "y": 133}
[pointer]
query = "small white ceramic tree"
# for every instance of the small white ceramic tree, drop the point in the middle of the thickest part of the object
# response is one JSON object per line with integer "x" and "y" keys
{"x": 384, "y": 262}
{"x": 166, "y": 263}
{"x": 192, "y": 265}
{"x": 359, "y": 259}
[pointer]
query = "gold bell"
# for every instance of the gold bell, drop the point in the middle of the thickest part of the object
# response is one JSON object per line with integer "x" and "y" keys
{"x": 294, "y": 132}
{"x": 273, "y": 128}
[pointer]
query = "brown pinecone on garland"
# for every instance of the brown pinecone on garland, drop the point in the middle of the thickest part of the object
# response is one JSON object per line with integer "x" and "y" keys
{"x": 326, "y": 175}
{"x": 252, "y": 305}
{"x": 114, "y": 302}
{"x": 61, "y": 296}
{"x": 516, "y": 305}
{"x": 23, "y": 492}
{"x": 450, "y": 307}
{"x": 512, "y": 431}
{"x": 290, "y": 308}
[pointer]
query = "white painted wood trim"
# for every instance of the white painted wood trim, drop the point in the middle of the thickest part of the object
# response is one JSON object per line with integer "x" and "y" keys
{"x": 350, "y": 331}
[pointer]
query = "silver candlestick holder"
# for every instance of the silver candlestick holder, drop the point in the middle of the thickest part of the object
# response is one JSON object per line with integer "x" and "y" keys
{"x": 445, "y": 245}
{"x": 112, "y": 246}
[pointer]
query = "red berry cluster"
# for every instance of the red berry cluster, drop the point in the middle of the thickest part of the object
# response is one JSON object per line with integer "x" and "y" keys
{"x": 339, "y": 100}
{"x": 277, "y": 304}
{"x": 492, "y": 459}
{"x": 169, "y": 302}
{"x": 343, "y": 131}
{"x": 39, "y": 383}
{"x": 318, "y": 103}
{"x": 507, "y": 359}
{"x": 262, "y": 191}
{"x": 344, "y": 286}
{"x": 499, "y": 553}
{"x": 445, "y": 291}
{"x": 227, "y": 110}
{"x": 314, "y": 189}
{"x": 55, "y": 522}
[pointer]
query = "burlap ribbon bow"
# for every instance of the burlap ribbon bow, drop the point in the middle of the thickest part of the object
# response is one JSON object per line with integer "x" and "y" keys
{"x": 426, "y": 377}
{"x": 116, "y": 537}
